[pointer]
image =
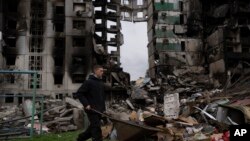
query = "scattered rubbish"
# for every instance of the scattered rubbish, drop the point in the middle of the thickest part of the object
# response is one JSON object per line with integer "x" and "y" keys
{"x": 175, "y": 107}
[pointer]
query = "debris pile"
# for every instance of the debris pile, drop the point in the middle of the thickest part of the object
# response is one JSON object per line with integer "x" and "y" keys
{"x": 185, "y": 106}
{"x": 57, "y": 117}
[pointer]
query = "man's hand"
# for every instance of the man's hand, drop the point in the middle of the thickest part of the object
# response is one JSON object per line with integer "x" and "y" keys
{"x": 88, "y": 107}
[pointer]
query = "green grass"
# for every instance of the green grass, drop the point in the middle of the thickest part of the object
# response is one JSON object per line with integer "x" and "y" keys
{"x": 67, "y": 136}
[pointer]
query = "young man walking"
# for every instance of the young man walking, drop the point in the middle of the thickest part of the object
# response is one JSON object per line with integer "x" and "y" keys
{"x": 91, "y": 95}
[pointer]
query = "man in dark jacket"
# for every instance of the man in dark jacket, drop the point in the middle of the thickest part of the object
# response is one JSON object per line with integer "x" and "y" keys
{"x": 91, "y": 95}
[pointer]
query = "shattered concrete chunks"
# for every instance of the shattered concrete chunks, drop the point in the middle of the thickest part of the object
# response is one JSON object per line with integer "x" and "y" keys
{"x": 138, "y": 93}
{"x": 190, "y": 120}
{"x": 200, "y": 137}
{"x": 6, "y": 113}
{"x": 130, "y": 104}
{"x": 27, "y": 107}
{"x": 67, "y": 128}
{"x": 74, "y": 103}
{"x": 37, "y": 127}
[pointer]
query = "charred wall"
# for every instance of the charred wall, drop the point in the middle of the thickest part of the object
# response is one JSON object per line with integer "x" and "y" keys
{"x": 226, "y": 32}
{"x": 207, "y": 33}
{"x": 60, "y": 40}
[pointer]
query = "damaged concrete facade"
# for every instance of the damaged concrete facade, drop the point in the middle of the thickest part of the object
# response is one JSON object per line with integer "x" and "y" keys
{"x": 171, "y": 44}
{"x": 226, "y": 33}
{"x": 192, "y": 33}
{"x": 62, "y": 39}
{"x": 59, "y": 39}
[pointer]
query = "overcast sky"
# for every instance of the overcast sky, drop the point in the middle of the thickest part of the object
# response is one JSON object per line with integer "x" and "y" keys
{"x": 134, "y": 56}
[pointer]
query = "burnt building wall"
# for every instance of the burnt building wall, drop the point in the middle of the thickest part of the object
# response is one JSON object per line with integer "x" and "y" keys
{"x": 37, "y": 37}
{"x": 207, "y": 33}
{"x": 227, "y": 36}
{"x": 57, "y": 39}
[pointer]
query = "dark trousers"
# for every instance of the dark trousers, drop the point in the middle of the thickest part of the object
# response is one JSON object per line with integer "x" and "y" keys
{"x": 94, "y": 130}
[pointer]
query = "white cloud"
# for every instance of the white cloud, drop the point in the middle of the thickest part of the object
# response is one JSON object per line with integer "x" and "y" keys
{"x": 134, "y": 52}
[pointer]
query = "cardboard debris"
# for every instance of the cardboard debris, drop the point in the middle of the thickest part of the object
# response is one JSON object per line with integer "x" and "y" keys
{"x": 189, "y": 120}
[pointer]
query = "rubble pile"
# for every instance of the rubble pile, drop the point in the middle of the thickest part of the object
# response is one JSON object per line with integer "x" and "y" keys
{"x": 57, "y": 117}
{"x": 185, "y": 105}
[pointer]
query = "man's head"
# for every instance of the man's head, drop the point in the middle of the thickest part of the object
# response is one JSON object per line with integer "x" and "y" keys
{"x": 98, "y": 71}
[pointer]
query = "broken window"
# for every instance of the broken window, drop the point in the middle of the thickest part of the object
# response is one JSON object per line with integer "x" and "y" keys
{"x": 140, "y": 14}
{"x": 98, "y": 21}
{"x": 114, "y": 59}
{"x": 78, "y": 78}
{"x": 139, "y": 2}
{"x": 59, "y": 96}
{"x": 181, "y": 19}
{"x": 112, "y": 49}
{"x": 58, "y": 61}
{"x": 59, "y": 27}
{"x": 9, "y": 98}
{"x": 79, "y": 9}
{"x": 184, "y": 56}
{"x": 59, "y": 10}
{"x": 11, "y": 42}
{"x": 10, "y": 60}
{"x": 77, "y": 60}
{"x": 36, "y": 44}
{"x": 99, "y": 34}
{"x": 164, "y": 28}
{"x": 230, "y": 49}
{"x": 163, "y": 15}
{"x": 12, "y": 79}
{"x": 181, "y": 6}
{"x": 12, "y": 6}
{"x": 126, "y": 15}
{"x": 79, "y": 24}
{"x": 20, "y": 99}
{"x": 60, "y": 42}
{"x": 126, "y": 2}
{"x": 165, "y": 41}
{"x": 58, "y": 79}
{"x": 78, "y": 41}
{"x": 12, "y": 24}
{"x": 35, "y": 62}
{"x": 36, "y": 27}
{"x": 38, "y": 81}
{"x": 183, "y": 46}
{"x": 37, "y": 9}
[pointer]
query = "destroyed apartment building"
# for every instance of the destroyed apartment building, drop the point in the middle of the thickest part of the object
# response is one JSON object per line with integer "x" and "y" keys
{"x": 61, "y": 40}
{"x": 199, "y": 33}
{"x": 197, "y": 83}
